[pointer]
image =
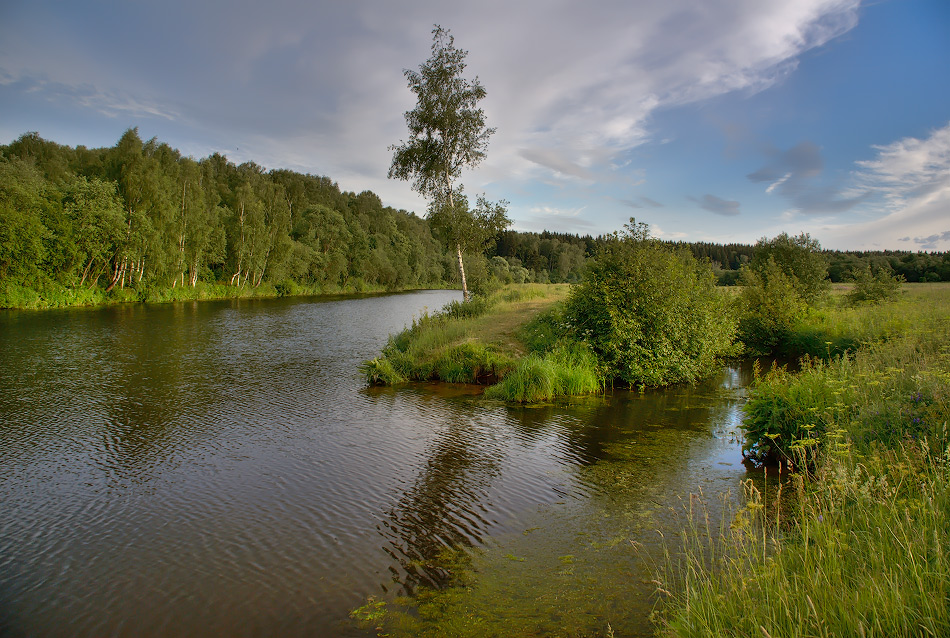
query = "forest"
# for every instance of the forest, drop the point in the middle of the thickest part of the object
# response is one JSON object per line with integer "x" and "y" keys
{"x": 139, "y": 221}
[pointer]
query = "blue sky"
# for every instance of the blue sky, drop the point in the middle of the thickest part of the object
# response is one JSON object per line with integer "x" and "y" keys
{"x": 722, "y": 120}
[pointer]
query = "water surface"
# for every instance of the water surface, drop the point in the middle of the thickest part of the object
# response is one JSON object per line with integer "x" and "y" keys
{"x": 220, "y": 468}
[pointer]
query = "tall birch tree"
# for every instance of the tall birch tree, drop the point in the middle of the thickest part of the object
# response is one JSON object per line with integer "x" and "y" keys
{"x": 447, "y": 132}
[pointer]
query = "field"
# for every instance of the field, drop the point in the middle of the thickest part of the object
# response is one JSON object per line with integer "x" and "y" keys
{"x": 854, "y": 540}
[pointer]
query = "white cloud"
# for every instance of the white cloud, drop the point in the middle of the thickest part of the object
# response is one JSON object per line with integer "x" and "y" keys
{"x": 318, "y": 86}
{"x": 909, "y": 169}
{"x": 557, "y": 212}
{"x": 658, "y": 232}
{"x": 912, "y": 179}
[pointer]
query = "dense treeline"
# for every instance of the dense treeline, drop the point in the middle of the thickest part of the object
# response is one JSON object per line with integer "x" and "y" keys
{"x": 913, "y": 266}
{"x": 547, "y": 257}
{"x": 139, "y": 217}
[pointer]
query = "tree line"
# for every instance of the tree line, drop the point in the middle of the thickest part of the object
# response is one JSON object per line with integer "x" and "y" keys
{"x": 140, "y": 216}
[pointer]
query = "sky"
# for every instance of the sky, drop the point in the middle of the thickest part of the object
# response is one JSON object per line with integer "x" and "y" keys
{"x": 723, "y": 120}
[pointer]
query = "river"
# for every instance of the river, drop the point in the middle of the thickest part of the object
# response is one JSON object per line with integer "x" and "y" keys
{"x": 221, "y": 468}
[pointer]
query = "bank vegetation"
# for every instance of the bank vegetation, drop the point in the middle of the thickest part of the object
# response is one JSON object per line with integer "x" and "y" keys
{"x": 853, "y": 538}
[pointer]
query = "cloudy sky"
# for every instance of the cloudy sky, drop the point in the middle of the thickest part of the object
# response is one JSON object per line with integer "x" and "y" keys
{"x": 721, "y": 120}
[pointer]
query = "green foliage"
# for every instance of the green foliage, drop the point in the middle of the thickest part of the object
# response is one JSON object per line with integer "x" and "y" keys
{"x": 448, "y": 133}
{"x": 24, "y": 238}
{"x": 380, "y": 371}
{"x": 139, "y": 216}
{"x": 570, "y": 369}
{"x": 785, "y": 277}
{"x": 545, "y": 330}
{"x": 475, "y": 307}
{"x": 860, "y": 552}
{"x": 460, "y": 226}
{"x": 895, "y": 386}
{"x": 769, "y": 307}
{"x": 438, "y": 347}
{"x": 859, "y": 547}
{"x": 788, "y": 414}
{"x": 800, "y": 260}
{"x": 651, "y": 314}
{"x": 447, "y": 129}
{"x": 874, "y": 286}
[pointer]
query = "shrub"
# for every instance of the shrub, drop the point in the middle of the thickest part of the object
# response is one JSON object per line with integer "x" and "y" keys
{"x": 800, "y": 259}
{"x": 650, "y": 313}
{"x": 874, "y": 286}
{"x": 769, "y": 306}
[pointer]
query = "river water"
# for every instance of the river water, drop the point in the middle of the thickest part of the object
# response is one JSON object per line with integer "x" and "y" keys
{"x": 220, "y": 468}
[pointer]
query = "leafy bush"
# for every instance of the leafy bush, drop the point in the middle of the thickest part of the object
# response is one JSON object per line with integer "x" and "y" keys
{"x": 543, "y": 332}
{"x": 650, "y": 313}
{"x": 769, "y": 306}
{"x": 475, "y": 307}
{"x": 875, "y": 286}
{"x": 800, "y": 259}
{"x": 787, "y": 414}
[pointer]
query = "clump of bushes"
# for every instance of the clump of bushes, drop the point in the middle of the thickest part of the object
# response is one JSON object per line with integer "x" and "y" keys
{"x": 650, "y": 313}
{"x": 875, "y": 286}
{"x": 786, "y": 277}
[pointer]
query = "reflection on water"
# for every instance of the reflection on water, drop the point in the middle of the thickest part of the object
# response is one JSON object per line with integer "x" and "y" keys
{"x": 220, "y": 468}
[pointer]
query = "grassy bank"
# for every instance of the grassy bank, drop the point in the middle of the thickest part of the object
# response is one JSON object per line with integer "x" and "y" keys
{"x": 480, "y": 341}
{"x": 855, "y": 541}
{"x": 13, "y": 296}
{"x": 835, "y": 326}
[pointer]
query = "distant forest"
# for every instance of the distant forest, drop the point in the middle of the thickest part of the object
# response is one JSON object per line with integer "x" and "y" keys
{"x": 141, "y": 216}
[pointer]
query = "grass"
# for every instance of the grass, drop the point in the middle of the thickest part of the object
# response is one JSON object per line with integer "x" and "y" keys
{"x": 55, "y": 295}
{"x": 508, "y": 339}
{"x": 473, "y": 342}
{"x": 855, "y": 542}
{"x": 568, "y": 370}
{"x": 837, "y": 327}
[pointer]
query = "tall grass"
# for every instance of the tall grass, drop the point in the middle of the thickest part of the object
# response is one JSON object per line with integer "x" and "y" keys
{"x": 839, "y": 327}
{"x": 462, "y": 343}
{"x": 480, "y": 341}
{"x": 865, "y": 553}
{"x": 568, "y": 370}
{"x": 858, "y": 544}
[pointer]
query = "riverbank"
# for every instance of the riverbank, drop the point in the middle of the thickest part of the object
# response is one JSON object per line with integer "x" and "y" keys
{"x": 480, "y": 341}
{"x": 854, "y": 541}
{"x": 16, "y": 297}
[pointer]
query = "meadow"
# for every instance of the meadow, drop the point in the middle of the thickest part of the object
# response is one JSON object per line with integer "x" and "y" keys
{"x": 853, "y": 541}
